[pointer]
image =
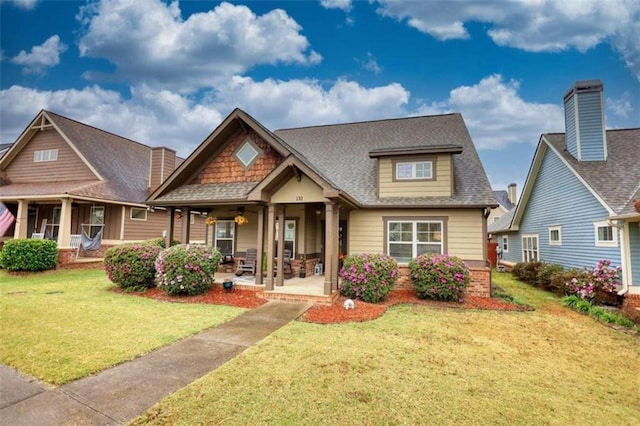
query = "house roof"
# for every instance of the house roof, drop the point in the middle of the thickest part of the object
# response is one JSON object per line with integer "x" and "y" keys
{"x": 502, "y": 224}
{"x": 503, "y": 199}
{"x": 121, "y": 165}
{"x": 616, "y": 180}
{"x": 340, "y": 153}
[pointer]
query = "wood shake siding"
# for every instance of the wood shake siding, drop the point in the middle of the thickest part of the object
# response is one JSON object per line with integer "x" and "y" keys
{"x": 439, "y": 187}
{"x": 225, "y": 167}
{"x": 68, "y": 166}
{"x": 464, "y": 237}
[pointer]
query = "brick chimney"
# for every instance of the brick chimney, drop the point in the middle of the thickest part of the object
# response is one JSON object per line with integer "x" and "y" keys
{"x": 512, "y": 193}
{"x": 585, "y": 133}
{"x": 163, "y": 163}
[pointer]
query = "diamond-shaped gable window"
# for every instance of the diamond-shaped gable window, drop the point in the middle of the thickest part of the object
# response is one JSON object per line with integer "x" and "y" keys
{"x": 247, "y": 154}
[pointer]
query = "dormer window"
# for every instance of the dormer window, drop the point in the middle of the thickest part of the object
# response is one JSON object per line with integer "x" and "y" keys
{"x": 248, "y": 153}
{"x": 45, "y": 155}
{"x": 413, "y": 170}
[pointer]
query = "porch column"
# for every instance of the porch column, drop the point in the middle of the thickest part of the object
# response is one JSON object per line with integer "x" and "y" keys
{"x": 330, "y": 250}
{"x": 64, "y": 230}
{"x": 22, "y": 220}
{"x": 260, "y": 244}
{"x": 170, "y": 224}
{"x": 186, "y": 225}
{"x": 271, "y": 224}
{"x": 280, "y": 254}
{"x": 336, "y": 247}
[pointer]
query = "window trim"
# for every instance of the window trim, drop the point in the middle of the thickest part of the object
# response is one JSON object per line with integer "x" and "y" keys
{"x": 45, "y": 155}
{"x": 295, "y": 234}
{"x": 605, "y": 243}
{"x": 233, "y": 236}
{"x": 414, "y": 161}
{"x": 246, "y": 141}
{"x": 557, "y": 242}
{"x": 442, "y": 219}
{"x": 139, "y": 209}
{"x": 505, "y": 244}
{"x": 537, "y": 251}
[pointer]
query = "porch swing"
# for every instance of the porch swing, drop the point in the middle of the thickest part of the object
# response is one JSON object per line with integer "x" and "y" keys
{"x": 88, "y": 242}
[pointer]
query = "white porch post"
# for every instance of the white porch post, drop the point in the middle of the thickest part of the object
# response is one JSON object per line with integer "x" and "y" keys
{"x": 336, "y": 247}
{"x": 64, "y": 230}
{"x": 330, "y": 243}
{"x": 271, "y": 216}
{"x": 260, "y": 247}
{"x": 280, "y": 254}
{"x": 22, "y": 219}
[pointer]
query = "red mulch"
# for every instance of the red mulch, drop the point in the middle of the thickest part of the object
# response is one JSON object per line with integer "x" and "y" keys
{"x": 336, "y": 313}
{"x": 363, "y": 311}
{"x": 215, "y": 296}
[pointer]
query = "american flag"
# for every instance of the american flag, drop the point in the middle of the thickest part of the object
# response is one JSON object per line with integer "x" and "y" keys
{"x": 6, "y": 219}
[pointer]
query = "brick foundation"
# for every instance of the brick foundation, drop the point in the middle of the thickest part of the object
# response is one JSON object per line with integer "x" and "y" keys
{"x": 631, "y": 301}
{"x": 480, "y": 285}
{"x": 66, "y": 256}
{"x": 99, "y": 253}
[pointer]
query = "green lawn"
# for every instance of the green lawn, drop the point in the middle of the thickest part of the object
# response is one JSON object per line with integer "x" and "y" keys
{"x": 421, "y": 365}
{"x": 63, "y": 325}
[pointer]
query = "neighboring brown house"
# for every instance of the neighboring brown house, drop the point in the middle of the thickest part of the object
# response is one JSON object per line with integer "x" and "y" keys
{"x": 400, "y": 186}
{"x": 61, "y": 177}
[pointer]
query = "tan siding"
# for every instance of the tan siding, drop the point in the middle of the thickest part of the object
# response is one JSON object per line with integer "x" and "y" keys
{"x": 440, "y": 187}
{"x": 139, "y": 230}
{"x": 68, "y": 166}
{"x": 464, "y": 230}
{"x": 294, "y": 191}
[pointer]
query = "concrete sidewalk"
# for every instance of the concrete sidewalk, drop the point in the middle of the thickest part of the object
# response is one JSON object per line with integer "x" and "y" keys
{"x": 120, "y": 394}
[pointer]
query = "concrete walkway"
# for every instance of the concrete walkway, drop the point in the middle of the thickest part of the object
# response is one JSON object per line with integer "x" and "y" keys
{"x": 120, "y": 394}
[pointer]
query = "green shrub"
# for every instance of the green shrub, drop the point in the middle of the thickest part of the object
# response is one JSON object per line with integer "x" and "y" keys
{"x": 29, "y": 255}
{"x": 159, "y": 242}
{"x": 186, "y": 269}
{"x": 132, "y": 266}
{"x": 437, "y": 276}
{"x": 579, "y": 304}
{"x": 546, "y": 272}
{"x": 368, "y": 277}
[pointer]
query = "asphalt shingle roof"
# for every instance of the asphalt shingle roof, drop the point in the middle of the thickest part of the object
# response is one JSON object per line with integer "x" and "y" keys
{"x": 617, "y": 180}
{"x": 503, "y": 199}
{"x": 340, "y": 153}
{"x": 208, "y": 192}
{"x": 501, "y": 224}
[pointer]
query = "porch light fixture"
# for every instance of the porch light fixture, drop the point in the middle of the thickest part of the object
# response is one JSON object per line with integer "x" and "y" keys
{"x": 211, "y": 220}
{"x": 240, "y": 219}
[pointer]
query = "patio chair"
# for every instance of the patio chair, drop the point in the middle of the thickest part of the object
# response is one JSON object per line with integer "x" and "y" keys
{"x": 249, "y": 263}
{"x": 75, "y": 242}
{"x": 286, "y": 263}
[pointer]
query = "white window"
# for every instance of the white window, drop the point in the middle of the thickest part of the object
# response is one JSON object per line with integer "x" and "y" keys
{"x": 414, "y": 170}
{"x": 505, "y": 244}
{"x": 55, "y": 222}
{"x": 289, "y": 236}
{"x": 138, "y": 213}
{"x": 605, "y": 234}
{"x": 192, "y": 219}
{"x": 45, "y": 155}
{"x": 97, "y": 220}
{"x": 247, "y": 154}
{"x": 225, "y": 236}
{"x": 555, "y": 235}
{"x": 408, "y": 239}
{"x": 530, "y": 248}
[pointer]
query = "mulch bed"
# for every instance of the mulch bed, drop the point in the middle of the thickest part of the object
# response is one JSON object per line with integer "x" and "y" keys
{"x": 336, "y": 313}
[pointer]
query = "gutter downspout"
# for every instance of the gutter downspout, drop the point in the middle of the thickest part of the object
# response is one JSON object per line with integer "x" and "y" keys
{"x": 622, "y": 227}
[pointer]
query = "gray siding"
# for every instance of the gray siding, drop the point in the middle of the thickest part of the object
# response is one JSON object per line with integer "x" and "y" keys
{"x": 590, "y": 126}
{"x": 559, "y": 198}
{"x": 634, "y": 241}
{"x": 570, "y": 126}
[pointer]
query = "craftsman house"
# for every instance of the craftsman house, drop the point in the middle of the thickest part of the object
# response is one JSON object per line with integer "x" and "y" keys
{"x": 62, "y": 178}
{"x": 581, "y": 199}
{"x": 306, "y": 196}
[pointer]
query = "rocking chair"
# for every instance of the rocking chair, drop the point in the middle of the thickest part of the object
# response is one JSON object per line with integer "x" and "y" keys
{"x": 249, "y": 263}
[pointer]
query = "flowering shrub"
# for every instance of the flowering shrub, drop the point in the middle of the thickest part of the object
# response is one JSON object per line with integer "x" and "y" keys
{"x": 589, "y": 283}
{"x": 367, "y": 277}
{"x": 439, "y": 276}
{"x": 131, "y": 266}
{"x": 186, "y": 269}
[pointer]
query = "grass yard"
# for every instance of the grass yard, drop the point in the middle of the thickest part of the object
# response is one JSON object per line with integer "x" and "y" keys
{"x": 63, "y": 325}
{"x": 421, "y": 365}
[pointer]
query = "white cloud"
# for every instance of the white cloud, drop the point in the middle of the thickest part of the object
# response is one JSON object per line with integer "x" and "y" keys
{"x": 162, "y": 117}
{"x": 621, "y": 106}
{"x": 531, "y": 25}
{"x": 345, "y": 5}
{"x": 41, "y": 57}
{"x": 23, "y": 4}
{"x": 370, "y": 64}
{"x": 150, "y": 42}
{"x": 497, "y": 116}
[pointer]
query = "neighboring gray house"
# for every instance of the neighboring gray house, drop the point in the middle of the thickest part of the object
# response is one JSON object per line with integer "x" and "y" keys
{"x": 506, "y": 201}
{"x": 581, "y": 199}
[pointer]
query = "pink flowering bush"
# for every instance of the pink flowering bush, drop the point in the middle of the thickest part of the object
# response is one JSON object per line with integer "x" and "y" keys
{"x": 367, "y": 277}
{"x": 131, "y": 266}
{"x": 598, "y": 283}
{"x": 439, "y": 276}
{"x": 186, "y": 269}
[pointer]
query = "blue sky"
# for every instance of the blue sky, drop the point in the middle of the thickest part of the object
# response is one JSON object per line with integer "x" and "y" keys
{"x": 167, "y": 73}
